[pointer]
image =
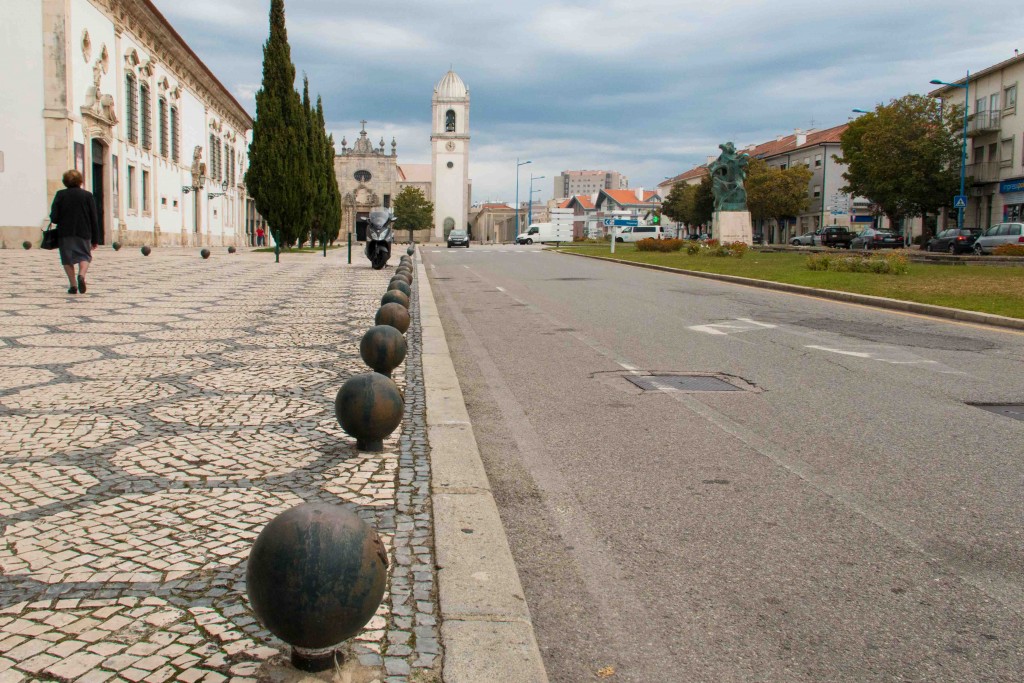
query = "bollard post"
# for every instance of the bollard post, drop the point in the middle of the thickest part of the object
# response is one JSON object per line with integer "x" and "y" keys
{"x": 350, "y": 248}
{"x": 325, "y": 242}
{"x": 277, "y": 247}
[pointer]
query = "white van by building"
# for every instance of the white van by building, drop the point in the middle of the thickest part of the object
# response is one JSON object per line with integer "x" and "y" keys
{"x": 642, "y": 232}
{"x": 545, "y": 232}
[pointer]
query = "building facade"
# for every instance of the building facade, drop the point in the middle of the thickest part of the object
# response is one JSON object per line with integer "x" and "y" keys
{"x": 570, "y": 183}
{"x": 110, "y": 88}
{"x": 995, "y": 143}
{"x": 449, "y": 143}
{"x": 368, "y": 178}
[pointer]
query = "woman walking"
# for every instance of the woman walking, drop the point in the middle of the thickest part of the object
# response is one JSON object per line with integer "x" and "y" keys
{"x": 78, "y": 228}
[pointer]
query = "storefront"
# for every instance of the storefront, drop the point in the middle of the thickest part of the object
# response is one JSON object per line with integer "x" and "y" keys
{"x": 1012, "y": 193}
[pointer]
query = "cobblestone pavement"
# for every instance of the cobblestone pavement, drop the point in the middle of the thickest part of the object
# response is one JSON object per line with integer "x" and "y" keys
{"x": 149, "y": 430}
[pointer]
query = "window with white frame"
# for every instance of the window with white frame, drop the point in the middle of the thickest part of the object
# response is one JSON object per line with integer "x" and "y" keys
{"x": 175, "y": 137}
{"x": 131, "y": 116}
{"x": 161, "y": 110}
{"x": 145, "y": 109}
{"x": 145, "y": 192}
{"x": 1006, "y": 156}
{"x": 1010, "y": 97}
{"x": 130, "y": 182}
{"x": 817, "y": 190}
{"x": 817, "y": 160}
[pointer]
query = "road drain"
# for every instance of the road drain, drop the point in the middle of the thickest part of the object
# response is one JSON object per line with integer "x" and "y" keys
{"x": 688, "y": 383}
{"x": 1012, "y": 410}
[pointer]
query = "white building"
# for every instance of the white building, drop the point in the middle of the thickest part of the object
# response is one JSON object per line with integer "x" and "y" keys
{"x": 995, "y": 143}
{"x": 449, "y": 156}
{"x": 110, "y": 88}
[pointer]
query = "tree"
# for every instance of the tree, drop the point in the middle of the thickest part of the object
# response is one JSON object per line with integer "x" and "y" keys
{"x": 278, "y": 178}
{"x": 330, "y": 207}
{"x": 412, "y": 211}
{"x": 691, "y": 205}
{"x": 904, "y": 156}
{"x": 703, "y": 203}
{"x": 776, "y": 194}
{"x": 325, "y": 201}
{"x": 678, "y": 201}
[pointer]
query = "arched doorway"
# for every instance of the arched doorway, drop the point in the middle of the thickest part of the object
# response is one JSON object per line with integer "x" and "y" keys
{"x": 98, "y": 154}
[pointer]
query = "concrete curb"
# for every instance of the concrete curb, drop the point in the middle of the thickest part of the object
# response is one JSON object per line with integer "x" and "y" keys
{"x": 485, "y": 622}
{"x": 848, "y": 297}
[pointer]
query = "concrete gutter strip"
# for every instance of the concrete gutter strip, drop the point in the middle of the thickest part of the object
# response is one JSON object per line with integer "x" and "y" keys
{"x": 849, "y": 297}
{"x": 485, "y": 622}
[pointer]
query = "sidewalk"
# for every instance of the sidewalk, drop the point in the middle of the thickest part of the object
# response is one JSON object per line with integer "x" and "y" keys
{"x": 150, "y": 428}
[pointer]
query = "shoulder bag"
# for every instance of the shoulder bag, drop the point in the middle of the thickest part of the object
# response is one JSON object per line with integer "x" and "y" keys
{"x": 49, "y": 238}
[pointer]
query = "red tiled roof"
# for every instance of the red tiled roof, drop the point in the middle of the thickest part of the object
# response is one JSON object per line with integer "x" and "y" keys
{"x": 582, "y": 200}
{"x": 496, "y": 206}
{"x": 788, "y": 143}
{"x": 698, "y": 172}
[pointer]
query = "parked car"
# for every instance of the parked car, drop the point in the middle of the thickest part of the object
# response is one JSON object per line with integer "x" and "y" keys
{"x": 954, "y": 241}
{"x": 458, "y": 238}
{"x": 870, "y": 238}
{"x": 1000, "y": 233}
{"x": 641, "y": 232}
{"x": 758, "y": 238}
{"x": 805, "y": 240}
{"x": 835, "y": 236}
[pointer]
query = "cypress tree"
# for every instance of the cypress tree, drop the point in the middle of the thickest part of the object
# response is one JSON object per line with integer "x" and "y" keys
{"x": 278, "y": 177}
{"x": 331, "y": 198}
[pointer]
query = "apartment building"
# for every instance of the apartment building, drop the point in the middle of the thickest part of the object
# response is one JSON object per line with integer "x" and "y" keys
{"x": 995, "y": 142}
{"x": 570, "y": 183}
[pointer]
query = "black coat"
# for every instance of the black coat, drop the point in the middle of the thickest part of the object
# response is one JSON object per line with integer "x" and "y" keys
{"x": 74, "y": 213}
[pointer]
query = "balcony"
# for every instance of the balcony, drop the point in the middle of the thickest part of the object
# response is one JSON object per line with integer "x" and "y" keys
{"x": 983, "y": 172}
{"x": 982, "y": 123}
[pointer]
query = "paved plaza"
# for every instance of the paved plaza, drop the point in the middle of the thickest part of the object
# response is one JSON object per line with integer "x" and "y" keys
{"x": 150, "y": 428}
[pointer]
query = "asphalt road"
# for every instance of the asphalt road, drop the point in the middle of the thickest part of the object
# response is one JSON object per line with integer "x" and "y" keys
{"x": 843, "y": 516}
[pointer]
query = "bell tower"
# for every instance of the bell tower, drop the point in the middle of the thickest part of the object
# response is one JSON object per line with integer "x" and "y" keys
{"x": 450, "y": 155}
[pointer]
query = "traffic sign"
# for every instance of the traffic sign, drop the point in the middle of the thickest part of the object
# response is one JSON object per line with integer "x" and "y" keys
{"x": 960, "y": 201}
{"x": 621, "y": 222}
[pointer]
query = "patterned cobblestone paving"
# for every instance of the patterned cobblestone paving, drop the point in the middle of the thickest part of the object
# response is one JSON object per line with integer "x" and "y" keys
{"x": 149, "y": 430}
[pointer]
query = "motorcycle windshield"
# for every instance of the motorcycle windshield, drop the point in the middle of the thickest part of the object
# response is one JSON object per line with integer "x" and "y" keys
{"x": 379, "y": 228}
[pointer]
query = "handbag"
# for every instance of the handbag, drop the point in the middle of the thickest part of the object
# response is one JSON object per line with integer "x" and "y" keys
{"x": 49, "y": 238}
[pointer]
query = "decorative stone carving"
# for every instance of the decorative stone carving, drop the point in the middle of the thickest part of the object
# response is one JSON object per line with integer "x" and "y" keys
{"x": 99, "y": 107}
{"x": 86, "y": 46}
{"x": 198, "y": 167}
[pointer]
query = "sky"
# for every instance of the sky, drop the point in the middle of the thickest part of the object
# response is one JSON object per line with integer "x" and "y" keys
{"x": 648, "y": 88}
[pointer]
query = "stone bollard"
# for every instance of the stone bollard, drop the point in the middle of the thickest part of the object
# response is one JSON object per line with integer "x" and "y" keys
{"x": 401, "y": 286}
{"x": 395, "y": 315}
{"x": 369, "y": 407}
{"x": 383, "y": 348}
{"x": 406, "y": 277}
{"x": 316, "y": 575}
{"x": 146, "y": 251}
{"x": 231, "y": 250}
{"x": 116, "y": 246}
{"x": 26, "y": 245}
{"x": 394, "y": 296}
{"x": 411, "y": 250}
{"x": 205, "y": 253}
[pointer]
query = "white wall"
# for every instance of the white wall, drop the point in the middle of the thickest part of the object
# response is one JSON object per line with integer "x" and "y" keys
{"x": 23, "y": 199}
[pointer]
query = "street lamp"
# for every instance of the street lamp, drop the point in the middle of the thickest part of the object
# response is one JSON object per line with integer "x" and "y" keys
{"x": 518, "y": 164}
{"x": 966, "y": 85}
{"x": 529, "y": 211}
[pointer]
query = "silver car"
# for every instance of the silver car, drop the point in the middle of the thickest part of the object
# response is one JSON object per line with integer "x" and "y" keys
{"x": 1000, "y": 233}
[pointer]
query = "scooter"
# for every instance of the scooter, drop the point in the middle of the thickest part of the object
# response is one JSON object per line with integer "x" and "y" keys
{"x": 379, "y": 236}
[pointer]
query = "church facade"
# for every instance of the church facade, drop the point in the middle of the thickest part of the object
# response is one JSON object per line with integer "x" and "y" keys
{"x": 110, "y": 88}
{"x": 369, "y": 176}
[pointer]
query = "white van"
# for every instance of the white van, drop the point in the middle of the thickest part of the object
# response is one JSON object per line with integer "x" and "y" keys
{"x": 641, "y": 232}
{"x": 540, "y": 233}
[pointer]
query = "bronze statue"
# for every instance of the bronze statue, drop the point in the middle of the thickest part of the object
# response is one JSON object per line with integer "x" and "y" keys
{"x": 728, "y": 172}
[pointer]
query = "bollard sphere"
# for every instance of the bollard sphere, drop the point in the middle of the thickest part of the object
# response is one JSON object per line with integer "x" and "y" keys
{"x": 146, "y": 251}
{"x": 394, "y": 296}
{"x": 403, "y": 268}
{"x": 205, "y": 253}
{"x": 231, "y": 250}
{"x": 404, "y": 275}
{"x": 411, "y": 250}
{"x": 316, "y": 575}
{"x": 383, "y": 349}
{"x": 26, "y": 245}
{"x": 369, "y": 407}
{"x": 116, "y": 246}
{"x": 400, "y": 285}
{"x": 395, "y": 315}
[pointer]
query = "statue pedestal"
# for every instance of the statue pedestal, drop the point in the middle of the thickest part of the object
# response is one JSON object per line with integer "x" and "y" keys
{"x": 732, "y": 226}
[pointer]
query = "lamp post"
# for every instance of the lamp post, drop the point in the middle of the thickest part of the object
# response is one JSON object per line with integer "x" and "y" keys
{"x": 529, "y": 211}
{"x": 966, "y": 85}
{"x": 518, "y": 164}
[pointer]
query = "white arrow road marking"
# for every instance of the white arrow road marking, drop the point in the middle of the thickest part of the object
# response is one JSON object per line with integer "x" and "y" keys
{"x": 857, "y": 354}
{"x": 739, "y": 325}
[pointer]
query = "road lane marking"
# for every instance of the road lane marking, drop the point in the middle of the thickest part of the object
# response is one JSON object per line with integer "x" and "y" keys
{"x": 857, "y": 354}
{"x": 737, "y": 325}
{"x": 500, "y": 289}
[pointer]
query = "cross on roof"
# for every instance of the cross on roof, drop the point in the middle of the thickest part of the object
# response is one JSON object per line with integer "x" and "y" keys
{"x": 364, "y": 124}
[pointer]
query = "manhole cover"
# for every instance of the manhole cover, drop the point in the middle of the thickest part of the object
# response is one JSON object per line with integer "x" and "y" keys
{"x": 681, "y": 383}
{"x": 1014, "y": 410}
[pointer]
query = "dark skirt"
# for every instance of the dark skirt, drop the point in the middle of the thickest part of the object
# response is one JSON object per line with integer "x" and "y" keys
{"x": 74, "y": 250}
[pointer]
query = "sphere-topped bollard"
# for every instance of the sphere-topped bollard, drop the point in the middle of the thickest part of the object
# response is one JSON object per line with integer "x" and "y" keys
{"x": 383, "y": 349}
{"x": 411, "y": 250}
{"x": 403, "y": 276}
{"x": 116, "y": 246}
{"x": 146, "y": 251}
{"x": 26, "y": 245}
{"x": 316, "y": 575}
{"x": 401, "y": 286}
{"x": 231, "y": 250}
{"x": 395, "y": 315}
{"x": 369, "y": 407}
{"x": 394, "y": 296}
{"x": 205, "y": 253}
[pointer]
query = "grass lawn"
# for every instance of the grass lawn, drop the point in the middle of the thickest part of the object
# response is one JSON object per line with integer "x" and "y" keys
{"x": 988, "y": 289}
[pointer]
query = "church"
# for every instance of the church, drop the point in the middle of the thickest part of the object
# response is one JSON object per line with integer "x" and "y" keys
{"x": 369, "y": 176}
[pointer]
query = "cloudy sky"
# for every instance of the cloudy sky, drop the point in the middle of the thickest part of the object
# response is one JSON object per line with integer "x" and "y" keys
{"x": 644, "y": 87}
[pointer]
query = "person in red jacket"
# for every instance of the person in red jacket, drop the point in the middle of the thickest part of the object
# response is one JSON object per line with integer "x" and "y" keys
{"x": 78, "y": 228}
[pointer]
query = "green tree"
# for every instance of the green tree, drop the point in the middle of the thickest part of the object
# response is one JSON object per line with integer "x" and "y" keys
{"x": 678, "y": 201}
{"x": 412, "y": 211}
{"x": 776, "y": 194}
{"x": 278, "y": 178}
{"x": 330, "y": 207}
{"x": 691, "y": 205}
{"x": 703, "y": 203}
{"x": 904, "y": 156}
{"x": 325, "y": 201}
